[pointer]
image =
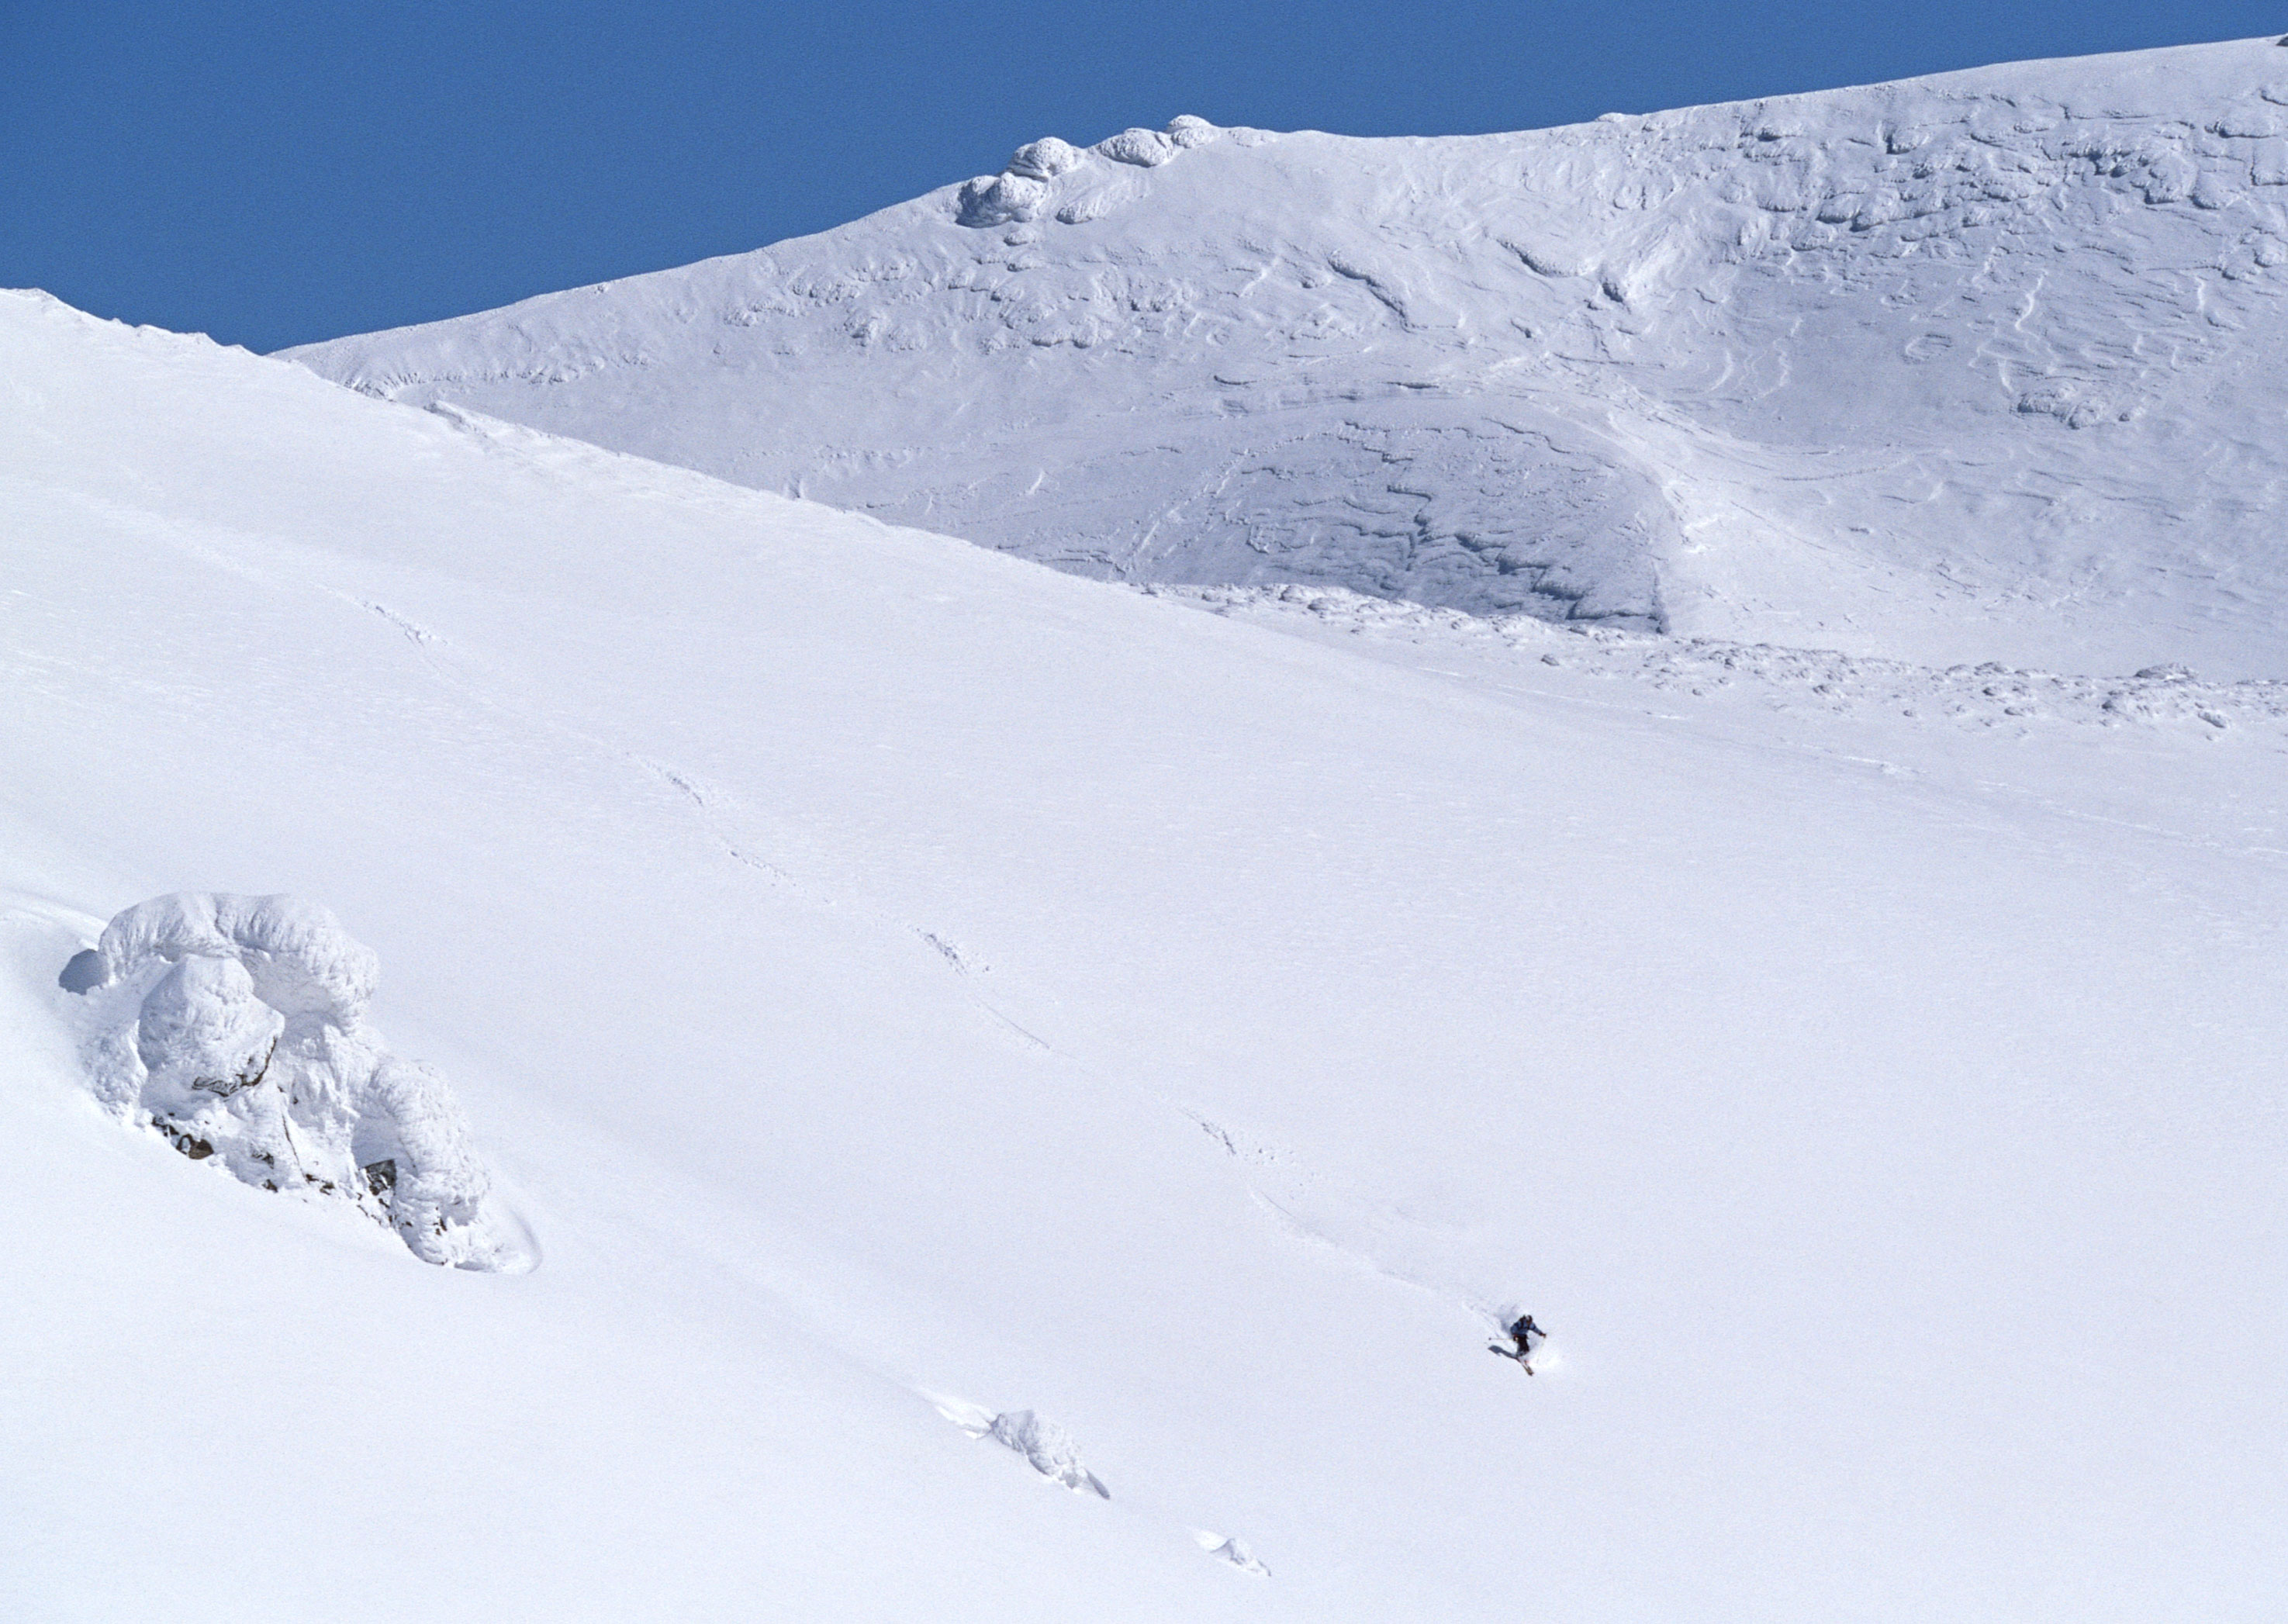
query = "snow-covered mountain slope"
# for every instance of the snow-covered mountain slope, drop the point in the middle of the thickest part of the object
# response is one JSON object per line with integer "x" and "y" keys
{"x": 1985, "y": 366}
{"x": 957, "y": 1033}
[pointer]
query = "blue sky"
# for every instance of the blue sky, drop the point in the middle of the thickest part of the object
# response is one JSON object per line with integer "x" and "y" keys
{"x": 275, "y": 173}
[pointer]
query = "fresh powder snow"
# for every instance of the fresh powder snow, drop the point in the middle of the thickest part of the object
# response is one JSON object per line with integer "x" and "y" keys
{"x": 1832, "y": 980}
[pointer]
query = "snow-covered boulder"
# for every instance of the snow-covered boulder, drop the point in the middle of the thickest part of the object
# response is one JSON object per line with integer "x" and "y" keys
{"x": 1045, "y": 159}
{"x": 202, "y": 1030}
{"x": 1145, "y": 148}
{"x": 413, "y": 1148}
{"x": 1188, "y": 129}
{"x": 1049, "y": 1447}
{"x": 235, "y": 1027}
{"x": 999, "y": 200}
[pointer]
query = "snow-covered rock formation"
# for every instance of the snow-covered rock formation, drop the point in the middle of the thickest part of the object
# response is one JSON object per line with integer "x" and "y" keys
{"x": 235, "y": 1027}
{"x": 1048, "y": 1448}
{"x": 1981, "y": 366}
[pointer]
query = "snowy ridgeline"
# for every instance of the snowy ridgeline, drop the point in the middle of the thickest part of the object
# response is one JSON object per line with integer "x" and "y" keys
{"x": 235, "y": 1027}
{"x": 1813, "y": 368}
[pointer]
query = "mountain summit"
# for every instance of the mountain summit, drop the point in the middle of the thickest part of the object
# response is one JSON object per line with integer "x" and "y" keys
{"x": 1988, "y": 364}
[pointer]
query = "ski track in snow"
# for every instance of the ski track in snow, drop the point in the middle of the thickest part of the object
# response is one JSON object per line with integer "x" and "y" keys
{"x": 723, "y": 814}
{"x": 1435, "y": 1257}
{"x": 1303, "y": 1205}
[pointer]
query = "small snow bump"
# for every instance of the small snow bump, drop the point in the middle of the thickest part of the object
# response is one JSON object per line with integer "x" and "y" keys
{"x": 1231, "y": 1550}
{"x": 2245, "y": 124}
{"x": 1081, "y": 210}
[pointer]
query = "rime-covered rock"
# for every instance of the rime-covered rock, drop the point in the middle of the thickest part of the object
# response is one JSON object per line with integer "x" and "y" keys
{"x": 997, "y": 200}
{"x": 1049, "y": 1447}
{"x": 1045, "y": 159}
{"x": 1188, "y": 130}
{"x": 410, "y": 1143}
{"x": 1145, "y": 148}
{"x": 235, "y": 1028}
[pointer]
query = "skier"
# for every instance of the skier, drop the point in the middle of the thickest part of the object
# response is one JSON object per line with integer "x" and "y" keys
{"x": 1528, "y": 1337}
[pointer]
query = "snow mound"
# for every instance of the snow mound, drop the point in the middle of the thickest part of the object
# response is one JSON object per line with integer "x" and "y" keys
{"x": 235, "y": 1027}
{"x": 1145, "y": 148}
{"x": 999, "y": 200}
{"x": 1022, "y": 192}
{"x": 1045, "y": 159}
{"x": 1188, "y": 130}
{"x": 1049, "y": 1447}
{"x": 1231, "y": 1550}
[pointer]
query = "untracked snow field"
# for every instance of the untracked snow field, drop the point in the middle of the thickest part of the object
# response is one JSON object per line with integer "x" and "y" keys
{"x": 1028, "y": 1098}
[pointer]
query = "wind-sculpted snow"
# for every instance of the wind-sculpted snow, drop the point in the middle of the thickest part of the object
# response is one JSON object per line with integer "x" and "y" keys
{"x": 1982, "y": 366}
{"x": 1985, "y": 696}
{"x": 1049, "y": 1449}
{"x": 235, "y": 1028}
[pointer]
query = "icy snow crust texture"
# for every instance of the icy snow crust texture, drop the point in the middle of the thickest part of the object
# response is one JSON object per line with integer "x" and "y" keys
{"x": 1978, "y": 366}
{"x": 235, "y": 1027}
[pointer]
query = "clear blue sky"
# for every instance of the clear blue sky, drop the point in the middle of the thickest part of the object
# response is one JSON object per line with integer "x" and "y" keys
{"x": 274, "y": 173}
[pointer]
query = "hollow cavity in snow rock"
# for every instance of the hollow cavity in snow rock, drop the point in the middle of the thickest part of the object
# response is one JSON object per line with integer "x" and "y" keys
{"x": 235, "y": 1027}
